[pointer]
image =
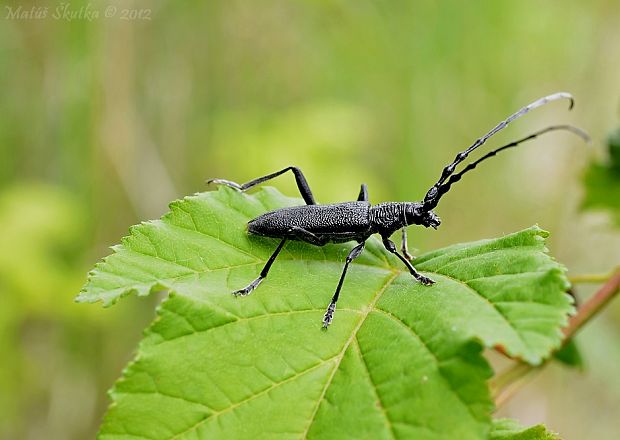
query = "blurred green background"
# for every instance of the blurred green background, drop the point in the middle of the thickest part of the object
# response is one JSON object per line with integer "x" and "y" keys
{"x": 103, "y": 121}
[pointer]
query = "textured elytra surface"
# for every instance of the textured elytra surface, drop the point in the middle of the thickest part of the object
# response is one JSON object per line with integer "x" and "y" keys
{"x": 401, "y": 360}
{"x": 335, "y": 218}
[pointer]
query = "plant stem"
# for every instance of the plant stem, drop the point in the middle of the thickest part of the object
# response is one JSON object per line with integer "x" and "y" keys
{"x": 593, "y": 278}
{"x": 594, "y": 305}
{"x": 505, "y": 393}
{"x": 508, "y": 376}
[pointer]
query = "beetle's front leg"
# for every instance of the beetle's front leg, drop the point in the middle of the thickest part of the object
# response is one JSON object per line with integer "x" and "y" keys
{"x": 404, "y": 248}
{"x": 390, "y": 246}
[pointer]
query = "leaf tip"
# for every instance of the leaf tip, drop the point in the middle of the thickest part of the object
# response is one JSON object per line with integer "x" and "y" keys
{"x": 542, "y": 233}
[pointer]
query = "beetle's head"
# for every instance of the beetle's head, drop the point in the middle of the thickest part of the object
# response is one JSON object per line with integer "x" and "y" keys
{"x": 430, "y": 219}
{"x": 417, "y": 214}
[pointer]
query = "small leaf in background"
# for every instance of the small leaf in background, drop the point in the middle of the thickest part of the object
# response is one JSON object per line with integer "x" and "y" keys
{"x": 570, "y": 355}
{"x": 400, "y": 359}
{"x": 508, "y": 429}
{"x": 603, "y": 181}
{"x": 614, "y": 149}
{"x": 603, "y": 190}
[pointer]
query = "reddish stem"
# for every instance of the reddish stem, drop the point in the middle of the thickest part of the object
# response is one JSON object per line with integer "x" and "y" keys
{"x": 594, "y": 305}
{"x": 510, "y": 381}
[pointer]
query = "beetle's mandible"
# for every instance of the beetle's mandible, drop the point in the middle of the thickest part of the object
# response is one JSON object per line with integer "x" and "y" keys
{"x": 356, "y": 221}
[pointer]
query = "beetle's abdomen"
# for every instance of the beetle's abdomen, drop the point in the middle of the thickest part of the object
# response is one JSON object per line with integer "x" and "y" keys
{"x": 339, "y": 218}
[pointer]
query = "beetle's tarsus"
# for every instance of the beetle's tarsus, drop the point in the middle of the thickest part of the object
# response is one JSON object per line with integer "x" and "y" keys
{"x": 228, "y": 183}
{"x": 425, "y": 280}
{"x": 242, "y": 292}
{"x": 249, "y": 288}
{"x": 329, "y": 314}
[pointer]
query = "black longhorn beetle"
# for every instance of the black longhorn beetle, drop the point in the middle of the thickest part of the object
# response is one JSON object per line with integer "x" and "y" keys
{"x": 356, "y": 221}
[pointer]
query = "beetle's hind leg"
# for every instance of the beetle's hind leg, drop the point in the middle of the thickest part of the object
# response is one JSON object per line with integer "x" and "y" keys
{"x": 263, "y": 273}
{"x": 329, "y": 313}
{"x": 300, "y": 179}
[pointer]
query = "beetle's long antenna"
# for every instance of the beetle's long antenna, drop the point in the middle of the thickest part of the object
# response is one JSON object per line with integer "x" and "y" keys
{"x": 431, "y": 199}
{"x": 444, "y": 188}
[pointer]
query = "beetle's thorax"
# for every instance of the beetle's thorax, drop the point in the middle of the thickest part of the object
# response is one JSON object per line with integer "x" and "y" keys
{"x": 386, "y": 218}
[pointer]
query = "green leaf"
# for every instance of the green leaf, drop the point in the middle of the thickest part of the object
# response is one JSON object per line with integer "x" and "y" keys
{"x": 508, "y": 429}
{"x": 400, "y": 360}
{"x": 603, "y": 190}
{"x": 570, "y": 355}
{"x": 613, "y": 144}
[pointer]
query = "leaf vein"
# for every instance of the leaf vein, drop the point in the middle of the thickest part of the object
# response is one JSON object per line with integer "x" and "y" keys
{"x": 250, "y": 318}
{"x": 432, "y": 353}
{"x": 511, "y": 326}
{"x": 375, "y": 389}
{"x": 255, "y": 396}
{"x": 339, "y": 357}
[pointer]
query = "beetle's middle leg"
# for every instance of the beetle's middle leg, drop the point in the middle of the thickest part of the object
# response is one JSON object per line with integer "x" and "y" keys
{"x": 302, "y": 183}
{"x": 329, "y": 313}
{"x": 390, "y": 246}
{"x": 363, "y": 195}
{"x": 263, "y": 273}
